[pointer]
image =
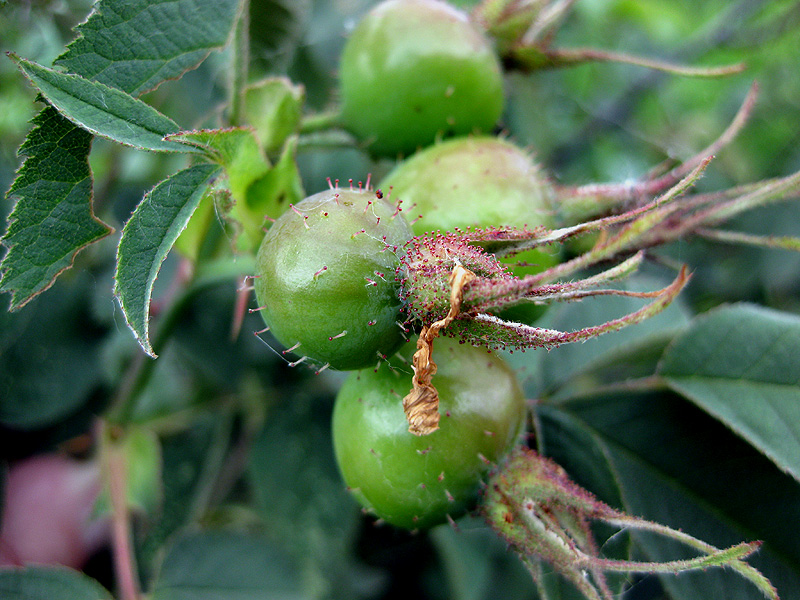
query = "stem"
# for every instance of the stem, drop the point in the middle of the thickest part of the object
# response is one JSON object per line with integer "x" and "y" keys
{"x": 122, "y": 548}
{"x": 717, "y": 559}
{"x": 123, "y": 406}
{"x": 736, "y": 237}
{"x": 212, "y": 466}
{"x": 206, "y": 275}
{"x": 241, "y": 63}
{"x": 574, "y": 56}
{"x": 744, "y": 569}
{"x": 323, "y": 121}
{"x": 326, "y": 139}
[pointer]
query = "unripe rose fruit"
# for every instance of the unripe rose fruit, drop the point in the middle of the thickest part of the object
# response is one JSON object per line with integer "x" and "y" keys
{"x": 415, "y": 70}
{"x": 326, "y": 278}
{"x": 478, "y": 181}
{"x": 417, "y": 481}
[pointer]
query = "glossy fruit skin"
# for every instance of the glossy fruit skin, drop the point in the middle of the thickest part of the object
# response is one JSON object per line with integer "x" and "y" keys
{"x": 478, "y": 181}
{"x": 326, "y": 278}
{"x": 417, "y": 481}
{"x": 415, "y": 70}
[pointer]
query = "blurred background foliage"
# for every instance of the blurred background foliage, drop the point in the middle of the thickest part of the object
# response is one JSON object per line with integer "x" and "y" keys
{"x": 246, "y": 437}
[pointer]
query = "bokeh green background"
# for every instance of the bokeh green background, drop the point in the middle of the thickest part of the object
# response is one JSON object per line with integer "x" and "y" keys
{"x": 63, "y": 356}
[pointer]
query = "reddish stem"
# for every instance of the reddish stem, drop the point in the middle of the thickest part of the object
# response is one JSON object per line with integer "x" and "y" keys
{"x": 124, "y": 559}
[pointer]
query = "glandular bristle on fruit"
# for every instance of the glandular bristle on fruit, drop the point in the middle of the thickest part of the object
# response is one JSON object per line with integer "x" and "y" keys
{"x": 323, "y": 283}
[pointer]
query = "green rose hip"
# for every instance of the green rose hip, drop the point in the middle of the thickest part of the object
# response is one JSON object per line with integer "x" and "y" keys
{"x": 415, "y": 70}
{"x": 418, "y": 481}
{"x": 473, "y": 181}
{"x": 479, "y": 181}
{"x": 325, "y": 280}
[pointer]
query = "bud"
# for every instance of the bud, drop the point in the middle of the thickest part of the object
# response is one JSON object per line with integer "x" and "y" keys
{"x": 546, "y": 517}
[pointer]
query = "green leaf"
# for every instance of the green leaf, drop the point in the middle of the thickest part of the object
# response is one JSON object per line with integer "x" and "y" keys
{"x": 134, "y": 46}
{"x": 676, "y": 465}
{"x": 214, "y": 565}
{"x": 147, "y": 238}
{"x": 238, "y": 151}
{"x": 137, "y": 44}
{"x": 49, "y": 583}
{"x": 300, "y": 494}
{"x": 103, "y": 110}
{"x": 191, "y": 461}
{"x": 53, "y": 218}
{"x": 276, "y": 31}
{"x": 274, "y": 107}
{"x": 741, "y": 364}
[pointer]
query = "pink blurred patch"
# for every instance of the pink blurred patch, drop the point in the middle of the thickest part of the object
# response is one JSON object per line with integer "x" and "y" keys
{"x": 47, "y": 512}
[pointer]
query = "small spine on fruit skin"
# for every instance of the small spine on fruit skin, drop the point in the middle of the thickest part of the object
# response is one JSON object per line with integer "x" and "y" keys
{"x": 292, "y": 349}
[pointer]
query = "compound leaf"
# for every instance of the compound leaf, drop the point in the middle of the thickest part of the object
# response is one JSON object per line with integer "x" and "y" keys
{"x": 741, "y": 364}
{"x": 147, "y": 238}
{"x": 103, "y": 110}
{"x": 133, "y": 46}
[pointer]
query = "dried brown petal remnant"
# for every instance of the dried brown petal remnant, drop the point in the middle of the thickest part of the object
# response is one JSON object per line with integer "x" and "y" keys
{"x": 421, "y": 405}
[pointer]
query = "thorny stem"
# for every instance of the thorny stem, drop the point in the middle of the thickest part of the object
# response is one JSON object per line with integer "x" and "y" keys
{"x": 775, "y": 190}
{"x": 583, "y": 585}
{"x": 719, "y": 558}
{"x": 744, "y": 569}
{"x": 534, "y": 566}
{"x": 535, "y": 506}
{"x": 656, "y": 212}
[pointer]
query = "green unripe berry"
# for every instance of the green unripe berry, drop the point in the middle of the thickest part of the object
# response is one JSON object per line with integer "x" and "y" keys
{"x": 326, "y": 278}
{"x": 415, "y": 70}
{"x": 417, "y": 481}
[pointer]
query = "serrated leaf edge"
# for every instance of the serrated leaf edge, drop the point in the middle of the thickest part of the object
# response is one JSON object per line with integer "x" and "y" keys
{"x": 22, "y": 63}
{"x": 96, "y": 11}
{"x": 143, "y": 337}
{"x": 12, "y": 196}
